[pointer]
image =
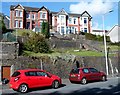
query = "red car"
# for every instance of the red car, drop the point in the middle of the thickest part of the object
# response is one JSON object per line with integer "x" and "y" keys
{"x": 84, "y": 75}
{"x": 22, "y": 80}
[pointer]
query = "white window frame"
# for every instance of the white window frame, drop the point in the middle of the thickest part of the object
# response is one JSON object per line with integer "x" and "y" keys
{"x": 20, "y": 24}
{"x": 21, "y": 13}
{"x": 16, "y": 13}
{"x": 16, "y": 24}
{"x": 41, "y": 15}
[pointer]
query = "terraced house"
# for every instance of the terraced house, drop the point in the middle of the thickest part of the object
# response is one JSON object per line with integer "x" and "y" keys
{"x": 24, "y": 17}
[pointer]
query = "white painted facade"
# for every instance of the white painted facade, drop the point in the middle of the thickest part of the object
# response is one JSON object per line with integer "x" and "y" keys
{"x": 114, "y": 34}
{"x": 67, "y": 23}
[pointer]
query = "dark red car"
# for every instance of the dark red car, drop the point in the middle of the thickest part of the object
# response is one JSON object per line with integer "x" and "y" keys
{"x": 84, "y": 75}
{"x": 22, "y": 80}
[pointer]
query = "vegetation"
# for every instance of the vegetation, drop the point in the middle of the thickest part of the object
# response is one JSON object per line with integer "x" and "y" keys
{"x": 36, "y": 43}
{"x": 45, "y": 29}
{"x": 90, "y": 36}
{"x": 2, "y": 25}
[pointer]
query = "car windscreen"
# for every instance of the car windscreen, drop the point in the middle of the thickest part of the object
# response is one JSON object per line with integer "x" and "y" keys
{"x": 15, "y": 74}
{"x": 75, "y": 71}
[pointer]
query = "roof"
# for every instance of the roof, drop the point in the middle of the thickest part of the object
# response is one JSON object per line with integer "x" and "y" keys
{"x": 12, "y": 7}
{"x": 26, "y": 8}
{"x": 113, "y": 28}
{"x": 100, "y": 31}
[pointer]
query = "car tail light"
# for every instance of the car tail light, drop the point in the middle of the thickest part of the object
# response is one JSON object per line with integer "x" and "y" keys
{"x": 16, "y": 79}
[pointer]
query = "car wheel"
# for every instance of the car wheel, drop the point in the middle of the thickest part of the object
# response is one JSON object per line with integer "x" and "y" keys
{"x": 84, "y": 81}
{"x": 23, "y": 88}
{"x": 103, "y": 78}
{"x": 55, "y": 84}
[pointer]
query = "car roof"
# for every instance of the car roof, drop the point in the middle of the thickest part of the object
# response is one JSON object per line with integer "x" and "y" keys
{"x": 26, "y": 70}
{"x": 83, "y": 68}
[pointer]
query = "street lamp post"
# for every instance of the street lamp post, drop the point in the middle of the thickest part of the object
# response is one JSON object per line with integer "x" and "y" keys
{"x": 105, "y": 45}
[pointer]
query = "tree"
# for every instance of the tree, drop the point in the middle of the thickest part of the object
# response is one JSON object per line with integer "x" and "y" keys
{"x": 37, "y": 43}
{"x": 2, "y": 25}
{"x": 45, "y": 29}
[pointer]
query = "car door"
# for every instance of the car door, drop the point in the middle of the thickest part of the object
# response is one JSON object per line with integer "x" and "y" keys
{"x": 95, "y": 75}
{"x": 43, "y": 79}
{"x": 31, "y": 79}
{"x": 86, "y": 73}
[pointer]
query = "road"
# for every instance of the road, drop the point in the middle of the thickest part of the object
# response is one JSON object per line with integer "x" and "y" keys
{"x": 110, "y": 87}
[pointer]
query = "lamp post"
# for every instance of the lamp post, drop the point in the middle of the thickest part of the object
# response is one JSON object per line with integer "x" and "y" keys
{"x": 105, "y": 46}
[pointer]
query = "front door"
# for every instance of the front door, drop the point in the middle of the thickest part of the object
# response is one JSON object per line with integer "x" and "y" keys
{"x": 6, "y": 72}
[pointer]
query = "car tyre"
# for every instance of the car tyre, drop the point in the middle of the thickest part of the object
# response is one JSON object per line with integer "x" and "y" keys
{"x": 84, "y": 81}
{"x": 55, "y": 84}
{"x": 23, "y": 88}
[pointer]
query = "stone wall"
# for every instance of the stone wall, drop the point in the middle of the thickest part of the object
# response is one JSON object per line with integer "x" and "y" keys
{"x": 59, "y": 65}
{"x": 9, "y": 50}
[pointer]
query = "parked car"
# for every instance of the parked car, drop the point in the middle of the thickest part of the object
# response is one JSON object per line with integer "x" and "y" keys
{"x": 23, "y": 80}
{"x": 83, "y": 75}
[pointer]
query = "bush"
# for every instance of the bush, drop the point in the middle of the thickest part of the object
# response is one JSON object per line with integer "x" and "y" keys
{"x": 37, "y": 43}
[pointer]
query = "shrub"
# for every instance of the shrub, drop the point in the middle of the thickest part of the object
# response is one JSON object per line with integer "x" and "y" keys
{"x": 37, "y": 43}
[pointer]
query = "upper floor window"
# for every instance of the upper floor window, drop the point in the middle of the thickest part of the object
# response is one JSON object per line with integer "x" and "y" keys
{"x": 20, "y": 13}
{"x": 16, "y": 13}
{"x": 33, "y": 16}
{"x": 28, "y": 15}
{"x": 62, "y": 18}
{"x": 43, "y": 15}
{"x": 36, "y": 15}
{"x": 75, "y": 21}
{"x": 85, "y": 20}
{"x": 70, "y": 20}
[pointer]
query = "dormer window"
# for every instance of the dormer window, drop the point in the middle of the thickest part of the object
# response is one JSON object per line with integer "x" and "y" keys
{"x": 20, "y": 13}
{"x": 16, "y": 13}
{"x": 43, "y": 15}
{"x": 85, "y": 20}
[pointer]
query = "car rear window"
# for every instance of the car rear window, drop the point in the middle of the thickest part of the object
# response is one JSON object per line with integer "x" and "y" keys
{"x": 15, "y": 74}
{"x": 75, "y": 71}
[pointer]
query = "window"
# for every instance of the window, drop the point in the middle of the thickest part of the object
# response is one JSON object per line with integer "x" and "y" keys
{"x": 62, "y": 18}
{"x": 33, "y": 16}
{"x": 62, "y": 30}
{"x": 36, "y": 15}
{"x": 85, "y": 30}
{"x": 41, "y": 74}
{"x": 74, "y": 20}
{"x": 70, "y": 20}
{"x": 28, "y": 25}
{"x": 85, "y": 70}
{"x": 20, "y": 24}
{"x": 20, "y": 13}
{"x": 85, "y": 20}
{"x": 30, "y": 73}
{"x": 28, "y": 15}
{"x": 16, "y": 13}
{"x": 15, "y": 74}
{"x": 16, "y": 23}
{"x": 93, "y": 70}
{"x": 43, "y": 15}
{"x": 75, "y": 71}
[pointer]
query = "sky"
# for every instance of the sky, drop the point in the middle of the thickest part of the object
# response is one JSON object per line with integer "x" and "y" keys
{"x": 96, "y": 8}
